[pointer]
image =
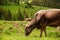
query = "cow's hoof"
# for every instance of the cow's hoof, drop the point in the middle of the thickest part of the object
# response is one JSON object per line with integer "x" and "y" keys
{"x": 45, "y": 35}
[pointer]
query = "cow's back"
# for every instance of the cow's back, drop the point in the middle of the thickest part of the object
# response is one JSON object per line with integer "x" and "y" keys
{"x": 52, "y": 13}
{"x": 53, "y": 17}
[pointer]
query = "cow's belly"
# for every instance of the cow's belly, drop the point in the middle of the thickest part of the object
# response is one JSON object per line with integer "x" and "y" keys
{"x": 54, "y": 23}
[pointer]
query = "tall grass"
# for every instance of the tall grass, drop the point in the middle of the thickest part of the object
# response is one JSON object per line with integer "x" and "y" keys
{"x": 30, "y": 11}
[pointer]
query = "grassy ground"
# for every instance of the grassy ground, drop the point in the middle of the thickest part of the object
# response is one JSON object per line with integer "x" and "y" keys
{"x": 7, "y": 34}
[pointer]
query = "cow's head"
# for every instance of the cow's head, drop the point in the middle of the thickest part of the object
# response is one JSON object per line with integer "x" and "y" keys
{"x": 28, "y": 29}
{"x": 32, "y": 24}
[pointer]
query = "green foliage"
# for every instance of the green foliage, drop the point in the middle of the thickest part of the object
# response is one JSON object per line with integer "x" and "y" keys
{"x": 13, "y": 12}
{"x": 50, "y": 3}
{"x": 14, "y": 17}
{"x": 8, "y": 15}
{"x": 25, "y": 14}
{"x": 5, "y": 14}
{"x": 2, "y": 13}
{"x": 1, "y": 2}
{"x": 20, "y": 16}
{"x": 28, "y": 5}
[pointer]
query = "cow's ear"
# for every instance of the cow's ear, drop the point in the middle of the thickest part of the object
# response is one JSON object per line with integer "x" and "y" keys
{"x": 37, "y": 17}
{"x": 26, "y": 27}
{"x": 36, "y": 14}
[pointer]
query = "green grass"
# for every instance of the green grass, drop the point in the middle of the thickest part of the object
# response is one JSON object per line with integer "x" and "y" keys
{"x": 14, "y": 10}
{"x": 29, "y": 11}
{"x": 6, "y": 34}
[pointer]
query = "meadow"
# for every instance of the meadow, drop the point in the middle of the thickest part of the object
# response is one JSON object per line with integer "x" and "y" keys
{"x": 8, "y": 31}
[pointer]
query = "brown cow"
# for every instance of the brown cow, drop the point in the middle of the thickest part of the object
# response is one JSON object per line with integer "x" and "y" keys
{"x": 43, "y": 18}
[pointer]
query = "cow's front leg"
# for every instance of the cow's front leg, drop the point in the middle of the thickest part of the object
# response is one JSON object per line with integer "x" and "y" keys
{"x": 45, "y": 32}
{"x": 41, "y": 33}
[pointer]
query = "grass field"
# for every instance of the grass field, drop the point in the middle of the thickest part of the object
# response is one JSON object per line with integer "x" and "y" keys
{"x": 7, "y": 34}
